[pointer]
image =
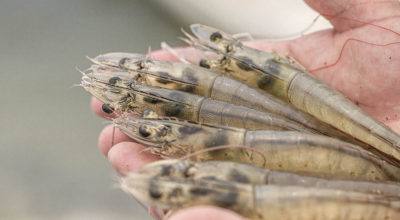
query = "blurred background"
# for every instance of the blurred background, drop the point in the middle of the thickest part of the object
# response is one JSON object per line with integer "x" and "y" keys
{"x": 50, "y": 166}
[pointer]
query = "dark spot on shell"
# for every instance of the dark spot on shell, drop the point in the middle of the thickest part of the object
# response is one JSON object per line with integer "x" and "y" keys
{"x": 152, "y": 100}
{"x": 114, "y": 80}
{"x": 219, "y": 140}
{"x": 189, "y": 74}
{"x": 227, "y": 201}
{"x": 236, "y": 176}
{"x": 265, "y": 82}
{"x": 189, "y": 129}
{"x": 204, "y": 63}
{"x": 122, "y": 63}
{"x": 178, "y": 96}
{"x": 188, "y": 89}
{"x": 242, "y": 64}
{"x": 175, "y": 192}
{"x": 166, "y": 170}
{"x": 155, "y": 194}
{"x": 174, "y": 110}
{"x": 272, "y": 67}
{"x": 201, "y": 191}
{"x": 107, "y": 109}
{"x": 215, "y": 36}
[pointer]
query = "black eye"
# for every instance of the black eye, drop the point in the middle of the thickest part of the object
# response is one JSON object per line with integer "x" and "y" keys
{"x": 114, "y": 80}
{"x": 107, "y": 109}
{"x": 204, "y": 63}
{"x": 122, "y": 63}
{"x": 223, "y": 60}
{"x": 144, "y": 131}
{"x": 215, "y": 37}
{"x": 229, "y": 48}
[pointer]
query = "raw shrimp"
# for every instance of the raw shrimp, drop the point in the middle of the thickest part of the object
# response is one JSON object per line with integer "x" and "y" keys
{"x": 257, "y": 201}
{"x": 131, "y": 96}
{"x": 290, "y": 151}
{"x": 298, "y": 87}
{"x": 203, "y": 82}
{"x": 229, "y": 171}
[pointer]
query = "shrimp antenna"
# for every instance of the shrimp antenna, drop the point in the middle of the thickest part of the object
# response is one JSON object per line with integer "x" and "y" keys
{"x": 166, "y": 47}
{"x": 224, "y": 147}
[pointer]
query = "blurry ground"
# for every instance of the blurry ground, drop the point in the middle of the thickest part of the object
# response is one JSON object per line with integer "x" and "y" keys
{"x": 50, "y": 167}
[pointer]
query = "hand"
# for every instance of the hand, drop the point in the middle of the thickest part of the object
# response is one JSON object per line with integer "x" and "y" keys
{"x": 366, "y": 74}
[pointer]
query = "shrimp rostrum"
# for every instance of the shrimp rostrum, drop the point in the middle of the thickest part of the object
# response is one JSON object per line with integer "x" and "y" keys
{"x": 296, "y": 86}
{"x": 280, "y": 150}
{"x": 203, "y": 82}
{"x": 256, "y": 201}
{"x": 134, "y": 97}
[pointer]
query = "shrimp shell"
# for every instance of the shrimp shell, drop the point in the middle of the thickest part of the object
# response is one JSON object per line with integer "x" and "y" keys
{"x": 261, "y": 201}
{"x": 298, "y": 87}
{"x": 284, "y": 150}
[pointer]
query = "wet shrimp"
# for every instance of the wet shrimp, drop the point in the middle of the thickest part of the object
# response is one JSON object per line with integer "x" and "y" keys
{"x": 290, "y": 151}
{"x": 203, "y": 82}
{"x": 298, "y": 87}
{"x": 133, "y": 97}
{"x": 229, "y": 171}
{"x": 259, "y": 201}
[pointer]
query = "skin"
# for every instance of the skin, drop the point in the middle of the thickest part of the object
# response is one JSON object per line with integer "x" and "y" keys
{"x": 365, "y": 74}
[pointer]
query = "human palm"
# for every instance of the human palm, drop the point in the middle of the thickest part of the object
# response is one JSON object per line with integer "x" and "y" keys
{"x": 366, "y": 74}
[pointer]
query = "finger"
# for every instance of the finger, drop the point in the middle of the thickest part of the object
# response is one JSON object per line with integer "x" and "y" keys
{"x": 96, "y": 106}
{"x": 126, "y": 157}
{"x": 106, "y": 136}
{"x": 361, "y": 10}
{"x": 205, "y": 213}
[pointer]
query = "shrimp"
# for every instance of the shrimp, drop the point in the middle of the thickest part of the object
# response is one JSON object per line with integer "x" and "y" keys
{"x": 229, "y": 171}
{"x": 133, "y": 97}
{"x": 259, "y": 201}
{"x": 298, "y": 87}
{"x": 284, "y": 150}
{"x": 203, "y": 82}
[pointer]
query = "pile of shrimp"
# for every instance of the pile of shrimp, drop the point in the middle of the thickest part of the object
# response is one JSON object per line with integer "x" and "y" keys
{"x": 249, "y": 131}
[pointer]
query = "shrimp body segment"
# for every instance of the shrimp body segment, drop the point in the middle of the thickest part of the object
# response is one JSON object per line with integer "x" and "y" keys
{"x": 290, "y": 151}
{"x": 300, "y": 88}
{"x": 261, "y": 201}
{"x": 203, "y": 82}
{"x": 134, "y": 97}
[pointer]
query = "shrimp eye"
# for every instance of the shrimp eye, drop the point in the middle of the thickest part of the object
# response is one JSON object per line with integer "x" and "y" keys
{"x": 107, "y": 109}
{"x": 149, "y": 113}
{"x": 229, "y": 48}
{"x": 223, "y": 61}
{"x": 215, "y": 37}
{"x": 144, "y": 131}
{"x": 204, "y": 63}
{"x": 114, "y": 80}
{"x": 122, "y": 63}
